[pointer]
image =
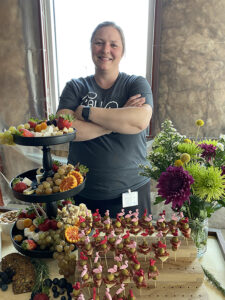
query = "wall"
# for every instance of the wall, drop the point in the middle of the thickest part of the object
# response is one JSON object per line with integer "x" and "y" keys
{"x": 21, "y": 79}
{"x": 192, "y": 66}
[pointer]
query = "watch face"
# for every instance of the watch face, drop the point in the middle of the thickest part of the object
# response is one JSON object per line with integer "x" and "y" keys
{"x": 85, "y": 113}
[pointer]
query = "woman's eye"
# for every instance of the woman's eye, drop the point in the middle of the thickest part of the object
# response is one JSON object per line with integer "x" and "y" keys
{"x": 98, "y": 43}
{"x": 114, "y": 45}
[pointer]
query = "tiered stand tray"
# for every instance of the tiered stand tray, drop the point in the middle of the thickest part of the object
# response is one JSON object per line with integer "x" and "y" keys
{"x": 181, "y": 276}
{"x": 49, "y": 200}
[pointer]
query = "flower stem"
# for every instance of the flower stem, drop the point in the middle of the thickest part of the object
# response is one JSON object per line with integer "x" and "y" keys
{"x": 213, "y": 280}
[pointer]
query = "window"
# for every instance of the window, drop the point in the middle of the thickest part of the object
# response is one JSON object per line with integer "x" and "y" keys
{"x": 68, "y": 26}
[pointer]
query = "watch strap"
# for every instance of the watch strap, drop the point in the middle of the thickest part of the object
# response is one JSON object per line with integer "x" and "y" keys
{"x": 85, "y": 113}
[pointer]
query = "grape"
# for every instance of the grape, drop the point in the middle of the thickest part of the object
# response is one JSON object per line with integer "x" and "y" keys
{"x": 46, "y": 184}
{"x": 21, "y": 126}
{"x": 48, "y": 239}
{"x": 48, "y": 191}
{"x": 12, "y": 129}
{"x": 58, "y": 181}
{"x": 59, "y": 248}
{"x": 63, "y": 243}
{"x": 27, "y": 126}
{"x": 56, "y": 176}
{"x": 38, "y": 191}
{"x": 59, "y": 224}
{"x": 41, "y": 187}
{"x": 66, "y": 248}
{"x": 55, "y": 189}
{"x": 41, "y": 235}
{"x": 61, "y": 171}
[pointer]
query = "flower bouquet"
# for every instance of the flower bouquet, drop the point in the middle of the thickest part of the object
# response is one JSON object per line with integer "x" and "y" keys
{"x": 190, "y": 174}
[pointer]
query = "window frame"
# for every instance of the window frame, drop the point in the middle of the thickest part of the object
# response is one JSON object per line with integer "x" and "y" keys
{"x": 51, "y": 79}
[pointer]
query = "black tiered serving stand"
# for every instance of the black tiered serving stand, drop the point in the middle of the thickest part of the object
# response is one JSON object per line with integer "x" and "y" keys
{"x": 49, "y": 200}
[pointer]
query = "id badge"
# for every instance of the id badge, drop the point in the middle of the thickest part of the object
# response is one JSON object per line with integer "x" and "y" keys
{"x": 130, "y": 199}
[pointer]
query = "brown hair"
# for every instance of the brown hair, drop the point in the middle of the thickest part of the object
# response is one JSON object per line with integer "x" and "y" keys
{"x": 110, "y": 24}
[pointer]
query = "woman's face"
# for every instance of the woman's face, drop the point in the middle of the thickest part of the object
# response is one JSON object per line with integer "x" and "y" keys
{"x": 107, "y": 49}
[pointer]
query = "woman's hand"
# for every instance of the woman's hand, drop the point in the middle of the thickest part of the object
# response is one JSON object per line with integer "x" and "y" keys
{"x": 135, "y": 101}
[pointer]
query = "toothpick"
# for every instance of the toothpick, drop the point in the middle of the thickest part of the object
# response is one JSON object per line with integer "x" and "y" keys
{"x": 42, "y": 210}
{"x": 106, "y": 262}
{"x": 155, "y": 283}
{"x": 36, "y": 211}
{"x": 90, "y": 262}
{"x": 175, "y": 256}
{"x": 6, "y": 179}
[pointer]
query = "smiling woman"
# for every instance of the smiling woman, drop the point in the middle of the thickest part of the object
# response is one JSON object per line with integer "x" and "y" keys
{"x": 111, "y": 142}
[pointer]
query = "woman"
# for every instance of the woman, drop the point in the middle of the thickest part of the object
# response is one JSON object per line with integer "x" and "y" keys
{"x": 112, "y": 111}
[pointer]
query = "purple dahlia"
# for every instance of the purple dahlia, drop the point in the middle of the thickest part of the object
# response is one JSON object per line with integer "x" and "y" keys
{"x": 209, "y": 151}
{"x": 223, "y": 170}
{"x": 175, "y": 186}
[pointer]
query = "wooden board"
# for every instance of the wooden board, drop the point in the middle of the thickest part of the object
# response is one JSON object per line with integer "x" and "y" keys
{"x": 181, "y": 276}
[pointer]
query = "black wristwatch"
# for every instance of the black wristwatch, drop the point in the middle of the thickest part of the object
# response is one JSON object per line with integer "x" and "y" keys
{"x": 85, "y": 113}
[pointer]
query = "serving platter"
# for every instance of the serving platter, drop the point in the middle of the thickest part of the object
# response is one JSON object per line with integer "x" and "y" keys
{"x": 45, "y": 140}
{"x": 36, "y": 198}
{"x": 36, "y": 253}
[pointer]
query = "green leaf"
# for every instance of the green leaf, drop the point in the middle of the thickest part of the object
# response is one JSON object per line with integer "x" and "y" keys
{"x": 158, "y": 200}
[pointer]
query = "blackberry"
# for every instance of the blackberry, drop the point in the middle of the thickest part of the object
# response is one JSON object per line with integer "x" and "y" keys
{"x": 61, "y": 291}
{"x": 55, "y": 281}
{"x": 54, "y": 288}
{"x": 10, "y": 272}
{"x": 56, "y": 294}
{"x": 63, "y": 298}
{"x": 4, "y": 287}
{"x": 69, "y": 287}
{"x": 4, "y": 277}
{"x": 62, "y": 283}
{"x": 48, "y": 282}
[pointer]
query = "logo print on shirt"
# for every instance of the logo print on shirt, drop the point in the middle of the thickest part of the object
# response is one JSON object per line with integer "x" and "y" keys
{"x": 91, "y": 100}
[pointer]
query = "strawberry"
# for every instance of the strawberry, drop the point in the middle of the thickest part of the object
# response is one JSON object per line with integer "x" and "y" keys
{"x": 32, "y": 123}
{"x": 20, "y": 187}
{"x": 64, "y": 121}
{"x": 28, "y": 244}
{"x": 31, "y": 215}
{"x": 53, "y": 224}
{"x": 41, "y": 296}
{"x": 55, "y": 165}
{"x": 21, "y": 214}
{"x": 65, "y": 202}
{"x": 25, "y": 132}
{"x": 45, "y": 226}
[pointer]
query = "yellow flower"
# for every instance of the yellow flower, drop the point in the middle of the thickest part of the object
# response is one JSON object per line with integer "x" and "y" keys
{"x": 185, "y": 158}
{"x": 187, "y": 141}
{"x": 178, "y": 163}
{"x": 199, "y": 123}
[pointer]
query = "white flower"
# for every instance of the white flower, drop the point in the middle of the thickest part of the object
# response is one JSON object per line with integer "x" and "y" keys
{"x": 222, "y": 136}
{"x": 155, "y": 169}
{"x": 157, "y": 153}
{"x": 175, "y": 144}
{"x": 220, "y": 146}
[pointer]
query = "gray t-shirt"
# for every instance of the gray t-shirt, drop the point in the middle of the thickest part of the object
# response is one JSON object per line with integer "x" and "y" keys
{"x": 113, "y": 159}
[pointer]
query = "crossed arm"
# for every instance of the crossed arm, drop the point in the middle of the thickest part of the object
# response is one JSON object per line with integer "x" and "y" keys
{"x": 132, "y": 118}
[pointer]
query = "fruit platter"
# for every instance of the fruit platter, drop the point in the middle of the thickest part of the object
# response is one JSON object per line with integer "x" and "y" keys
{"x": 65, "y": 181}
{"x": 56, "y": 130}
{"x": 36, "y": 235}
{"x": 53, "y": 181}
